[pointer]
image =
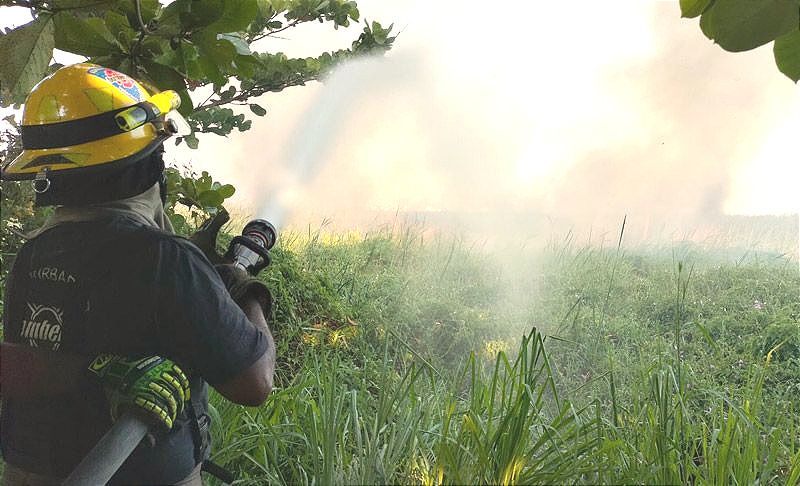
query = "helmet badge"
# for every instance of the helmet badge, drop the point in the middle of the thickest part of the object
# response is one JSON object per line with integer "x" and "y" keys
{"x": 119, "y": 81}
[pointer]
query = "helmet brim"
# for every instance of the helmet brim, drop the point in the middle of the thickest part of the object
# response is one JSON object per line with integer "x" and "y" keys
{"x": 79, "y": 157}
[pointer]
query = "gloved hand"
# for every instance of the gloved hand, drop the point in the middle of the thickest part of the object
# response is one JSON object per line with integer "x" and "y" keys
{"x": 242, "y": 286}
{"x": 206, "y": 236}
{"x": 154, "y": 385}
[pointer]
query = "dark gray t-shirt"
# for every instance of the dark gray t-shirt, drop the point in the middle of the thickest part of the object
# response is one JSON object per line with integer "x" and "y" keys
{"x": 119, "y": 287}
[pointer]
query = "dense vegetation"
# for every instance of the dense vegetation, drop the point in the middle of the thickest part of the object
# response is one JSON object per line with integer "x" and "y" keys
{"x": 410, "y": 358}
{"x": 413, "y": 360}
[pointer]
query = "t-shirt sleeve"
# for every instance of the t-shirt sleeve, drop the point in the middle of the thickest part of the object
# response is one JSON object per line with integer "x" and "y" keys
{"x": 198, "y": 323}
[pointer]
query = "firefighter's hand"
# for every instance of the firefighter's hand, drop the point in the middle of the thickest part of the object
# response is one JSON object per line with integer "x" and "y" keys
{"x": 206, "y": 236}
{"x": 243, "y": 286}
{"x": 153, "y": 385}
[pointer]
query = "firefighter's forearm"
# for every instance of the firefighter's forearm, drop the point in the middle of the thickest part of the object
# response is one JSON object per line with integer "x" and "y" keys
{"x": 252, "y": 386}
{"x": 255, "y": 314}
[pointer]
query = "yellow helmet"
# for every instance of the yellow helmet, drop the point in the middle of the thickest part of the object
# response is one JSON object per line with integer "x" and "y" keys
{"x": 85, "y": 121}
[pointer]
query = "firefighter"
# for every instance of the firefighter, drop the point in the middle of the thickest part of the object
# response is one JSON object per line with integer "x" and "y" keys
{"x": 149, "y": 318}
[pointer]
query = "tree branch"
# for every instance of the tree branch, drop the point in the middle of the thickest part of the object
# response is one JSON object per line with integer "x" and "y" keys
{"x": 243, "y": 96}
{"x": 285, "y": 27}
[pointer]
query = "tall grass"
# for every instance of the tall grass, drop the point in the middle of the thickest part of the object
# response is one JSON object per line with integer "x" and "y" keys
{"x": 511, "y": 427}
{"x": 498, "y": 425}
{"x": 399, "y": 366}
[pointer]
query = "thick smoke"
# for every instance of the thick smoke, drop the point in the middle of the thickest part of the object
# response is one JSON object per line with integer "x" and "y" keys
{"x": 703, "y": 116}
{"x": 551, "y": 138}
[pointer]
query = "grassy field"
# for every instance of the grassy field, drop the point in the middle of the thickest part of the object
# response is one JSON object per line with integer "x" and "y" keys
{"x": 407, "y": 358}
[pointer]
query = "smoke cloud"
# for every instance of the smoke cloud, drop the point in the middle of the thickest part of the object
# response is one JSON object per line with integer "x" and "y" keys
{"x": 525, "y": 127}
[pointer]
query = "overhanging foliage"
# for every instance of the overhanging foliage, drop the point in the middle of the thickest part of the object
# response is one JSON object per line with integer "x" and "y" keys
{"x": 187, "y": 45}
{"x": 741, "y": 25}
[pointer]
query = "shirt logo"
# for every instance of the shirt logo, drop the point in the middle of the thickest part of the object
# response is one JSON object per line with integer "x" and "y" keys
{"x": 54, "y": 274}
{"x": 43, "y": 327}
{"x": 119, "y": 81}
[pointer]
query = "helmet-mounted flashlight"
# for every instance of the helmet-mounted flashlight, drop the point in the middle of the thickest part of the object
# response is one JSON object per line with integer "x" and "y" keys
{"x": 158, "y": 104}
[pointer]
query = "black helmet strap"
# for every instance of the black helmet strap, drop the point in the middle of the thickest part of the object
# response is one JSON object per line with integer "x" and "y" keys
{"x": 78, "y": 131}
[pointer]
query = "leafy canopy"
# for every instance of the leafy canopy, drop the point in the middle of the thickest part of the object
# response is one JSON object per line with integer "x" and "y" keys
{"x": 209, "y": 47}
{"x": 741, "y": 25}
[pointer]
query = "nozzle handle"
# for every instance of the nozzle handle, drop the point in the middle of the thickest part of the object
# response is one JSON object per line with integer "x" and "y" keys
{"x": 252, "y": 265}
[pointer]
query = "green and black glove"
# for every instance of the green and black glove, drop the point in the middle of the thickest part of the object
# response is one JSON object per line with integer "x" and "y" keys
{"x": 243, "y": 286}
{"x": 154, "y": 385}
{"x": 206, "y": 236}
{"x": 239, "y": 283}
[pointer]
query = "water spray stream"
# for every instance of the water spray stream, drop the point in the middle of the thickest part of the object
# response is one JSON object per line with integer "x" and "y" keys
{"x": 315, "y": 133}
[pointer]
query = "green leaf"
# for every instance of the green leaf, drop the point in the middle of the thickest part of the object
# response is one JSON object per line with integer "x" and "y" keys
{"x": 184, "y": 59}
{"x": 153, "y": 47}
{"x": 203, "y": 182}
{"x": 169, "y": 20}
{"x": 177, "y": 220}
{"x": 191, "y": 141}
{"x": 787, "y": 54}
{"x": 228, "y": 93}
{"x": 313, "y": 64}
{"x": 85, "y": 37}
{"x": 265, "y": 8}
{"x": 163, "y": 77}
{"x": 149, "y": 9}
{"x": 279, "y": 5}
{"x": 236, "y": 16}
{"x": 220, "y": 52}
{"x": 188, "y": 187}
{"x": 79, "y": 4}
{"x": 188, "y": 61}
{"x": 117, "y": 62}
{"x": 246, "y": 66}
{"x": 241, "y": 46}
{"x": 226, "y": 191}
{"x": 741, "y": 25}
{"x": 693, "y": 8}
{"x": 26, "y": 53}
{"x": 186, "y": 103}
{"x": 100, "y": 28}
{"x": 199, "y": 13}
{"x": 258, "y": 109}
{"x": 118, "y": 24}
{"x": 210, "y": 198}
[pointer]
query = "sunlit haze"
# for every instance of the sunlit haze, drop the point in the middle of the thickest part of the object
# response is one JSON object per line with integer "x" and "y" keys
{"x": 613, "y": 108}
{"x": 587, "y": 111}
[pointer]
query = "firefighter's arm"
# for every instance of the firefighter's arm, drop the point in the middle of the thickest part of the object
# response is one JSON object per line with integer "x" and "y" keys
{"x": 251, "y": 386}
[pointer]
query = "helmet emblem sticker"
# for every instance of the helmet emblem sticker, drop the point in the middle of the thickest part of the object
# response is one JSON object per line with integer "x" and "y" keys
{"x": 119, "y": 81}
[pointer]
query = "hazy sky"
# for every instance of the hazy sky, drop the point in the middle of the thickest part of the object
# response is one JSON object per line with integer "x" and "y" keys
{"x": 591, "y": 109}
